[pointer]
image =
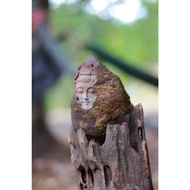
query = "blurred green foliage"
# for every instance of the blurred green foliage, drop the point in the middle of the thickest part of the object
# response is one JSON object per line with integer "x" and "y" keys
{"x": 136, "y": 42}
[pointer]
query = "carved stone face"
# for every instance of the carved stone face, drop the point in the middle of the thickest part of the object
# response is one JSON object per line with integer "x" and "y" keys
{"x": 84, "y": 91}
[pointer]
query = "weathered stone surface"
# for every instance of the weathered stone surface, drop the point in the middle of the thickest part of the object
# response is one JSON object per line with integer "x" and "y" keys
{"x": 99, "y": 98}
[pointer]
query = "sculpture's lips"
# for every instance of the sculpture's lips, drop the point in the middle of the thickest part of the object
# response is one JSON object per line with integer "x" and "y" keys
{"x": 85, "y": 102}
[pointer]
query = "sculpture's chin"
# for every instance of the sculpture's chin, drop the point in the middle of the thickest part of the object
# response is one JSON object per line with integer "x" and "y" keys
{"x": 86, "y": 106}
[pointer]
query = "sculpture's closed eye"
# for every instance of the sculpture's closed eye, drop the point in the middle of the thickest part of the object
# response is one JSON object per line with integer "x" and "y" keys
{"x": 90, "y": 90}
{"x": 79, "y": 90}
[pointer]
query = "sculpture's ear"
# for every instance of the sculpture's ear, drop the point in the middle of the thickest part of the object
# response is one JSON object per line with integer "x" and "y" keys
{"x": 74, "y": 92}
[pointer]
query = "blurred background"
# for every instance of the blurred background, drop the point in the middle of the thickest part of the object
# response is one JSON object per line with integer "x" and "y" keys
{"x": 121, "y": 34}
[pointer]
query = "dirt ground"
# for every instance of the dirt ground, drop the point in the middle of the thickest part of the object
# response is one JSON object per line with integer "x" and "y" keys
{"x": 54, "y": 171}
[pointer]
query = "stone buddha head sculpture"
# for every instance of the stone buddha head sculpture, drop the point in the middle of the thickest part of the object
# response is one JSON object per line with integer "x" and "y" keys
{"x": 99, "y": 98}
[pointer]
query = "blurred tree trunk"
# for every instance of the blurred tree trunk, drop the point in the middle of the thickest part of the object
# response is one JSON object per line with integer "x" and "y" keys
{"x": 119, "y": 162}
{"x": 41, "y": 137}
{"x": 43, "y": 143}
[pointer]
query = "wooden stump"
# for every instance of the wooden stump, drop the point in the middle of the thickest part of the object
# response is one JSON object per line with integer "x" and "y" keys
{"x": 117, "y": 161}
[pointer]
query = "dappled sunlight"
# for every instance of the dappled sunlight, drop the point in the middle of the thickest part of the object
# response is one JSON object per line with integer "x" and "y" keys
{"x": 123, "y": 11}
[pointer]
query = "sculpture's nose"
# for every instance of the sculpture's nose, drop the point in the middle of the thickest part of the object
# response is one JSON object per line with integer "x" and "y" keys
{"x": 85, "y": 96}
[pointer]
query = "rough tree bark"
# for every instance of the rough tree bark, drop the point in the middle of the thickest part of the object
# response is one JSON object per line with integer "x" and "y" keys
{"x": 116, "y": 161}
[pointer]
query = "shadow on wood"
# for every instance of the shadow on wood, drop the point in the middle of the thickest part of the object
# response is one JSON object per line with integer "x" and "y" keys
{"x": 120, "y": 162}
